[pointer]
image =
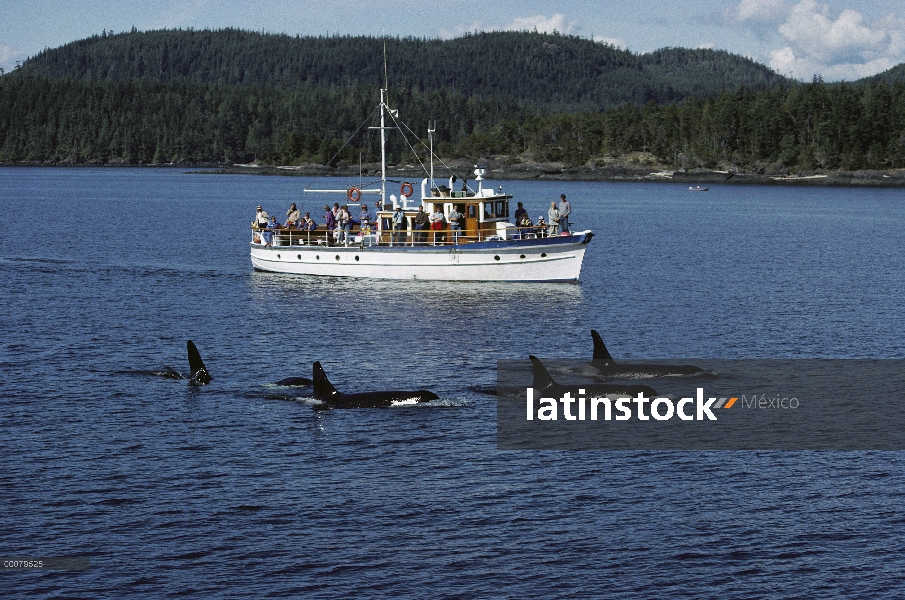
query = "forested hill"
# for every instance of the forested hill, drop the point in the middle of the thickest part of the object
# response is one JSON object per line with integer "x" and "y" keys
{"x": 893, "y": 75}
{"x": 196, "y": 97}
{"x": 563, "y": 73}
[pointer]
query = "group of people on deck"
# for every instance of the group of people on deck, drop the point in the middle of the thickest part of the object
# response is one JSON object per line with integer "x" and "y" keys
{"x": 557, "y": 218}
{"x": 338, "y": 221}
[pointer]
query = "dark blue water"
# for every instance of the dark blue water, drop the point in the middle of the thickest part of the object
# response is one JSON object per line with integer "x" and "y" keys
{"x": 240, "y": 489}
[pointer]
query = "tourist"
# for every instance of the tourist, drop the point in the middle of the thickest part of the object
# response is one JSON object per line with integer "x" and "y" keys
{"x": 345, "y": 224}
{"x": 331, "y": 224}
{"x": 268, "y": 235}
{"x": 455, "y": 222}
{"x": 553, "y": 220}
{"x": 420, "y": 223}
{"x": 365, "y": 220}
{"x": 398, "y": 224}
{"x": 541, "y": 227}
{"x": 565, "y": 209}
{"x": 519, "y": 213}
{"x": 261, "y": 218}
{"x": 436, "y": 220}
{"x": 292, "y": 216}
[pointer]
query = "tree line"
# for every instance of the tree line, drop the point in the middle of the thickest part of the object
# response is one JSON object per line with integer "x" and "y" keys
{"x": 564, "y": 73}
{"x": 154, "y": 103}
{"x": 798, "y": 127}
{"x": 791, "y": 128}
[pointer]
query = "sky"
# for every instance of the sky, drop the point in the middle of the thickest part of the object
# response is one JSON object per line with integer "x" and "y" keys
{"x": 836, "y": 39}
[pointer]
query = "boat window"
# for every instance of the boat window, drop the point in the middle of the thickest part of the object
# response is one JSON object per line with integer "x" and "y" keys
{"x": 501, "y": 209}
{"x": 488, "y": 210}
{"x": 472, "y": 212}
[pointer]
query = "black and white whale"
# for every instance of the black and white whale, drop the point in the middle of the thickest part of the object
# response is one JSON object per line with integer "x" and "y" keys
{"x": 294, "y": 382}
{"x": 166, "y": 373}
{"x": 200, "y": 376}
{"x": 331, "y": 398}
{"x": 610, "y": 369}
{"x": 545, "y": 386}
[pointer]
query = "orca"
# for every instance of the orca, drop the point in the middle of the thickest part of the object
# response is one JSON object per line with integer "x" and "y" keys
{"x": 166, "y": 373}
{"x": 331, "y": 398}
{"x": 608, "y": 367}
{"x": 294, "y": 381}
{"x": 200, "y": 376}
{"x": 544, "y": 385}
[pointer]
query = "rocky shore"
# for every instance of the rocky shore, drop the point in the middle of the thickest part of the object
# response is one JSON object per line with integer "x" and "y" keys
{"x": 633, "y": 168}
{"x": 602, "y": 172}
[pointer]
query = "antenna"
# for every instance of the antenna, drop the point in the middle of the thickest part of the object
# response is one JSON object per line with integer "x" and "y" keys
{"x": 431, "y": 129}
{"x": 386, "y": 78}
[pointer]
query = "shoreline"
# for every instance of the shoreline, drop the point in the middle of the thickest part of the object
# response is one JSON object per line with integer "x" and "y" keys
{"x": 614, "y": 172}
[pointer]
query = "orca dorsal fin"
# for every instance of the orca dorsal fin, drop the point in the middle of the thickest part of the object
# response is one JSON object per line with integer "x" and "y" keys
{"x": 196, "y": 365}
{"x": 323, "y": 389}
{"x": 542, "y": 379}
{"x": 600, "y": 351}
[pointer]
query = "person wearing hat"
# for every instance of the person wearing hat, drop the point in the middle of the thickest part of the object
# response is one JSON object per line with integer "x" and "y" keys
{"x": 308, "y": 223}
{"x": 261, "y": 218}
{"x": 365, "y": 220}
{"x": 398, "y": 224}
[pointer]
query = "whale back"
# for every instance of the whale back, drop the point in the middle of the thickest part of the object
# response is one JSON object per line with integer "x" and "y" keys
{"x": 196, "y": 365}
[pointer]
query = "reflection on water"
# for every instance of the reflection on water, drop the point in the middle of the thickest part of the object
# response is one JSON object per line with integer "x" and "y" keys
{"x": 434, "y": 294}
{"x": 495, "y": 301}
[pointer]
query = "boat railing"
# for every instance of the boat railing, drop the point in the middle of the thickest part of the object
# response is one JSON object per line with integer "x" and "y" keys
{"x": 409, "y": 237}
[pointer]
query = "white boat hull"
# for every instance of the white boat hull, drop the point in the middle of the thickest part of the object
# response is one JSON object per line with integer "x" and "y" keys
{"x": 546, "y": 259}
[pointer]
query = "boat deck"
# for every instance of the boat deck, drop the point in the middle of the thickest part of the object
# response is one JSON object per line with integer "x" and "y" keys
{"x": 284, "y": 236}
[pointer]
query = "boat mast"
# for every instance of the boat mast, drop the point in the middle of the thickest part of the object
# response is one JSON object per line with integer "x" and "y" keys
{"x": 383, "y": 149}
{"x": 383, "y": 134}
{"x": 431, "y": 128}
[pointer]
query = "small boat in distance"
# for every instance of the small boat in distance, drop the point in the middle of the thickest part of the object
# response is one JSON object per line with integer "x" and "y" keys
{"x": 698, "y": 188}
{"x": 476, "y": 242}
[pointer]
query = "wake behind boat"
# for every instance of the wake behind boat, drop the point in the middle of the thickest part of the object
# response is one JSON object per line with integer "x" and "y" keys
{"x": 477, "y": 241}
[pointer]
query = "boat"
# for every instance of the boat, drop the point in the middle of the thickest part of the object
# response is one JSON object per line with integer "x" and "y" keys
{"x": 487, "y": 247}
{"x": 698, "y": 188}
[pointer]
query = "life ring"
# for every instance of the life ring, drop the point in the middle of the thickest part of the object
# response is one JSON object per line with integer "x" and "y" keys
{"x": 354, "y": 194}
{"x": 406, "y": 186}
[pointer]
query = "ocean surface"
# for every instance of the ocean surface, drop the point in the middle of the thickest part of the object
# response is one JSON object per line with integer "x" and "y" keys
{"x": 239, "y": 489}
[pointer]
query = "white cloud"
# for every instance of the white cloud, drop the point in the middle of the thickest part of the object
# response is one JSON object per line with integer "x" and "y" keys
{"x": 9, "y": 57}
{"x": 757, "y": 11}
{"x": 617, "y": 42}
{"x": 541, "y": 23}
{"x": 447, "y": 33}
{"x": 846, "y": 47}
{"x": 706, "y": 46}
